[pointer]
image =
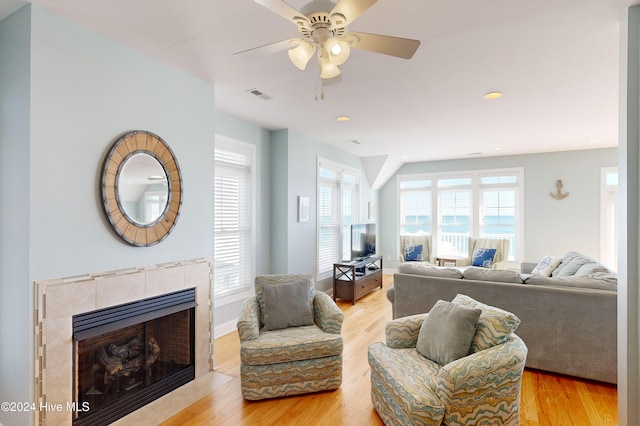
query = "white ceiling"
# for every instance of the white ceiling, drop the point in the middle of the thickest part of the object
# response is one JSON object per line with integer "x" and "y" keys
{"x": 557, "y": 63}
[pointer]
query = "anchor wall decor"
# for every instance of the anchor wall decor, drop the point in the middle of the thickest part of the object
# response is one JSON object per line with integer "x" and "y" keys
{"x": 559, "y": 195}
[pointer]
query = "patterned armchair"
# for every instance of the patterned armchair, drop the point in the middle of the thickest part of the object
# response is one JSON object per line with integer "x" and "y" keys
{"x": 408, "y": 241}
{"x": 292, "y": 360}
{"x": 500, "y": 260}
{"x": 410, "y": 389}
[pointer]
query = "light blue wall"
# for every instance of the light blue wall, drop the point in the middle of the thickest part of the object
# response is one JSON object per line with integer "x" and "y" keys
{"x": 85, "y": 91}
{"x": 16, "y": 323}
{"x": 551, "y": 226}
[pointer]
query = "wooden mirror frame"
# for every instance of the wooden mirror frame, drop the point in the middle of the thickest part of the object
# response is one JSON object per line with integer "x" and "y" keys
{"x": 132, "y": 143}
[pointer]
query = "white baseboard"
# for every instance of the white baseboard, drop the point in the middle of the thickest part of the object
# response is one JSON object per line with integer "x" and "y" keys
{"x": 225, "y": 328}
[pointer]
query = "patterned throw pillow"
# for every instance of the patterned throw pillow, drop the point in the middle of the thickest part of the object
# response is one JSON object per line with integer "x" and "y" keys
{"x": 483, "y": 257}
{"x": 546, "y": 266}
{"x": 413, "y": 253}
{"x": 494, "y": 325}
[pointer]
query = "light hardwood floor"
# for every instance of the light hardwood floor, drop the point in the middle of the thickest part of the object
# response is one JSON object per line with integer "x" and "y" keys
{"x": 547, "y": 399}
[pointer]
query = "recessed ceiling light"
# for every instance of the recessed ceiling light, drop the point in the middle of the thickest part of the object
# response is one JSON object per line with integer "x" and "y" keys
{"x": 405, "y": 157}
{"x": 497, "y": 148}
{"x": 594, "y": 140}
{"x": 343, "y": 118}
{"x": 493, "y": 95}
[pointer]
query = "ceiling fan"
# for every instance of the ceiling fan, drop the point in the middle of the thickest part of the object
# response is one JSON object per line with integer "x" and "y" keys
{"x": 323, "y": 26}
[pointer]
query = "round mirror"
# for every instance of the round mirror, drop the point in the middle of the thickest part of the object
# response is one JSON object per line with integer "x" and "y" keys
{"x": 141, "y": 188}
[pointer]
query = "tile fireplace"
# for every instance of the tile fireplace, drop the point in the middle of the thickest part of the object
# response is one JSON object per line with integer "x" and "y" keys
{"x": 110, "y": 343}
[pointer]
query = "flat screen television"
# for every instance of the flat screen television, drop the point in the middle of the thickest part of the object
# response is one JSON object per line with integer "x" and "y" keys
{"x": 363, "y": 241}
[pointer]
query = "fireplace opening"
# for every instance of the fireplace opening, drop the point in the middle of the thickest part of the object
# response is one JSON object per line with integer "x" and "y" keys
{"x": 129, "y": 355}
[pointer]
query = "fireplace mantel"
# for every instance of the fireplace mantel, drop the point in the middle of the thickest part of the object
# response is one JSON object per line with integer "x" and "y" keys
{"x": 57, "y": 300}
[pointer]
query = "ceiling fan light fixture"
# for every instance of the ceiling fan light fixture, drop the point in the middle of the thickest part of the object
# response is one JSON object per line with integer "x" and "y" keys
{"x": 338, "y": 51}
{"x": 301, "y": 54}
{"x": 329, "y": 70}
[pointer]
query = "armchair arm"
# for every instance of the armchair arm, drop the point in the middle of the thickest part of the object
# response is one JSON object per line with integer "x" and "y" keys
{"x": 403, "y": 332}
{"x": 482, "y": 377}
{"x": 249, "y": 320}
{"x": 327, "y": 314}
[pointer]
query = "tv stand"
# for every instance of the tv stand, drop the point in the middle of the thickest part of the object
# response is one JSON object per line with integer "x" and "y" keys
{"x": 354, "y": 280}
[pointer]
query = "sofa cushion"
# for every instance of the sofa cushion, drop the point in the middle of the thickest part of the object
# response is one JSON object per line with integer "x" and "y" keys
{"x": 573, "y": 266}
{"x": 483, "y": 257}
{"x": 287, "y": 305}
{"x": 546, "y": 266}
{"x": 447, "y": 331}
{"x": 496, "y": 275}
{"x": 589, "y": 269}
{"x": 413, "y": 253}
{"x": 429, "y": 270}
{"x": 495, "y": 325}
{"x": 569, "y": 257}
{"x": 598, "y": 280}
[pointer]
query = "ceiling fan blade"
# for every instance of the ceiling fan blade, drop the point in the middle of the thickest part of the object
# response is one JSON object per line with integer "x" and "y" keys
{"x": 270, "y": 48}
{"x": 387, "y": 45}
{"x": 351, "y": 9}
{"x": 283, "y": 9}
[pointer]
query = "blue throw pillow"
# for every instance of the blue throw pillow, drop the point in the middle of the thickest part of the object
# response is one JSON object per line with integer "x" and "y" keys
{"x": 483, "y": 257}
{"x": 413, "y": 253}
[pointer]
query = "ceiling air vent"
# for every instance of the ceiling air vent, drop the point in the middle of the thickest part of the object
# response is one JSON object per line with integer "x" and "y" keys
{"x": 259, "y": 94}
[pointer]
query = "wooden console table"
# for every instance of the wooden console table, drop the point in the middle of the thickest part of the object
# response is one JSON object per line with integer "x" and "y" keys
{"x": 354, "y": 280}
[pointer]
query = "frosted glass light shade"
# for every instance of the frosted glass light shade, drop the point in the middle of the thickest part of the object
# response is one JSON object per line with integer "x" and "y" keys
{"x": 300, "y": 55}
{"x": 337, "y": 51}
{"x": 329, "y": 70}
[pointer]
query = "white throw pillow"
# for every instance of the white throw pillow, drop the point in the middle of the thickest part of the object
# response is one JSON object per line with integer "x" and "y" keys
{"x": 546, "y": 266}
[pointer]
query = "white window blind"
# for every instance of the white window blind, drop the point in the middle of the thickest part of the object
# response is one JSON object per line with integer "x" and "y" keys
{"x": 234, "y": 217}
{"x": 338, "y": 204}
{"x": 415, "y": 206}
{"x": 454, "y": 215}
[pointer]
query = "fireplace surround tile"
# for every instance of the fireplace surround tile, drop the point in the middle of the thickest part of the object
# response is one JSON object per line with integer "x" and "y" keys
{"x": 118, "y": 289}
{"x": 164, "y": 280}
{"x": 65, "y": 299}
{"x": 58, "y": 356}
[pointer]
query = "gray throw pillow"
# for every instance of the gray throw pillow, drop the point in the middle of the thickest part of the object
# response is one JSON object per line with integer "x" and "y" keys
{"x": 447, "y": 332}
{"x": 287, "y": 305}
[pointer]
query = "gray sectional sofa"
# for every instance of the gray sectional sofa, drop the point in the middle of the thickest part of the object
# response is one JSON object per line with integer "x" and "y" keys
{"x": 568, "y": 319}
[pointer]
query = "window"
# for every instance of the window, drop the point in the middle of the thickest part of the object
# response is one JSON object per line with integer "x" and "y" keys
{"x": 467, "y": 204}
{"x": 499, "y": 209}
{"x": 338, "y": 206}
{"x": 234, "y": 219}
{"x": 454, "y": 215}
{"x": 609, "y": 218}
{"x": 415, "y": 205}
